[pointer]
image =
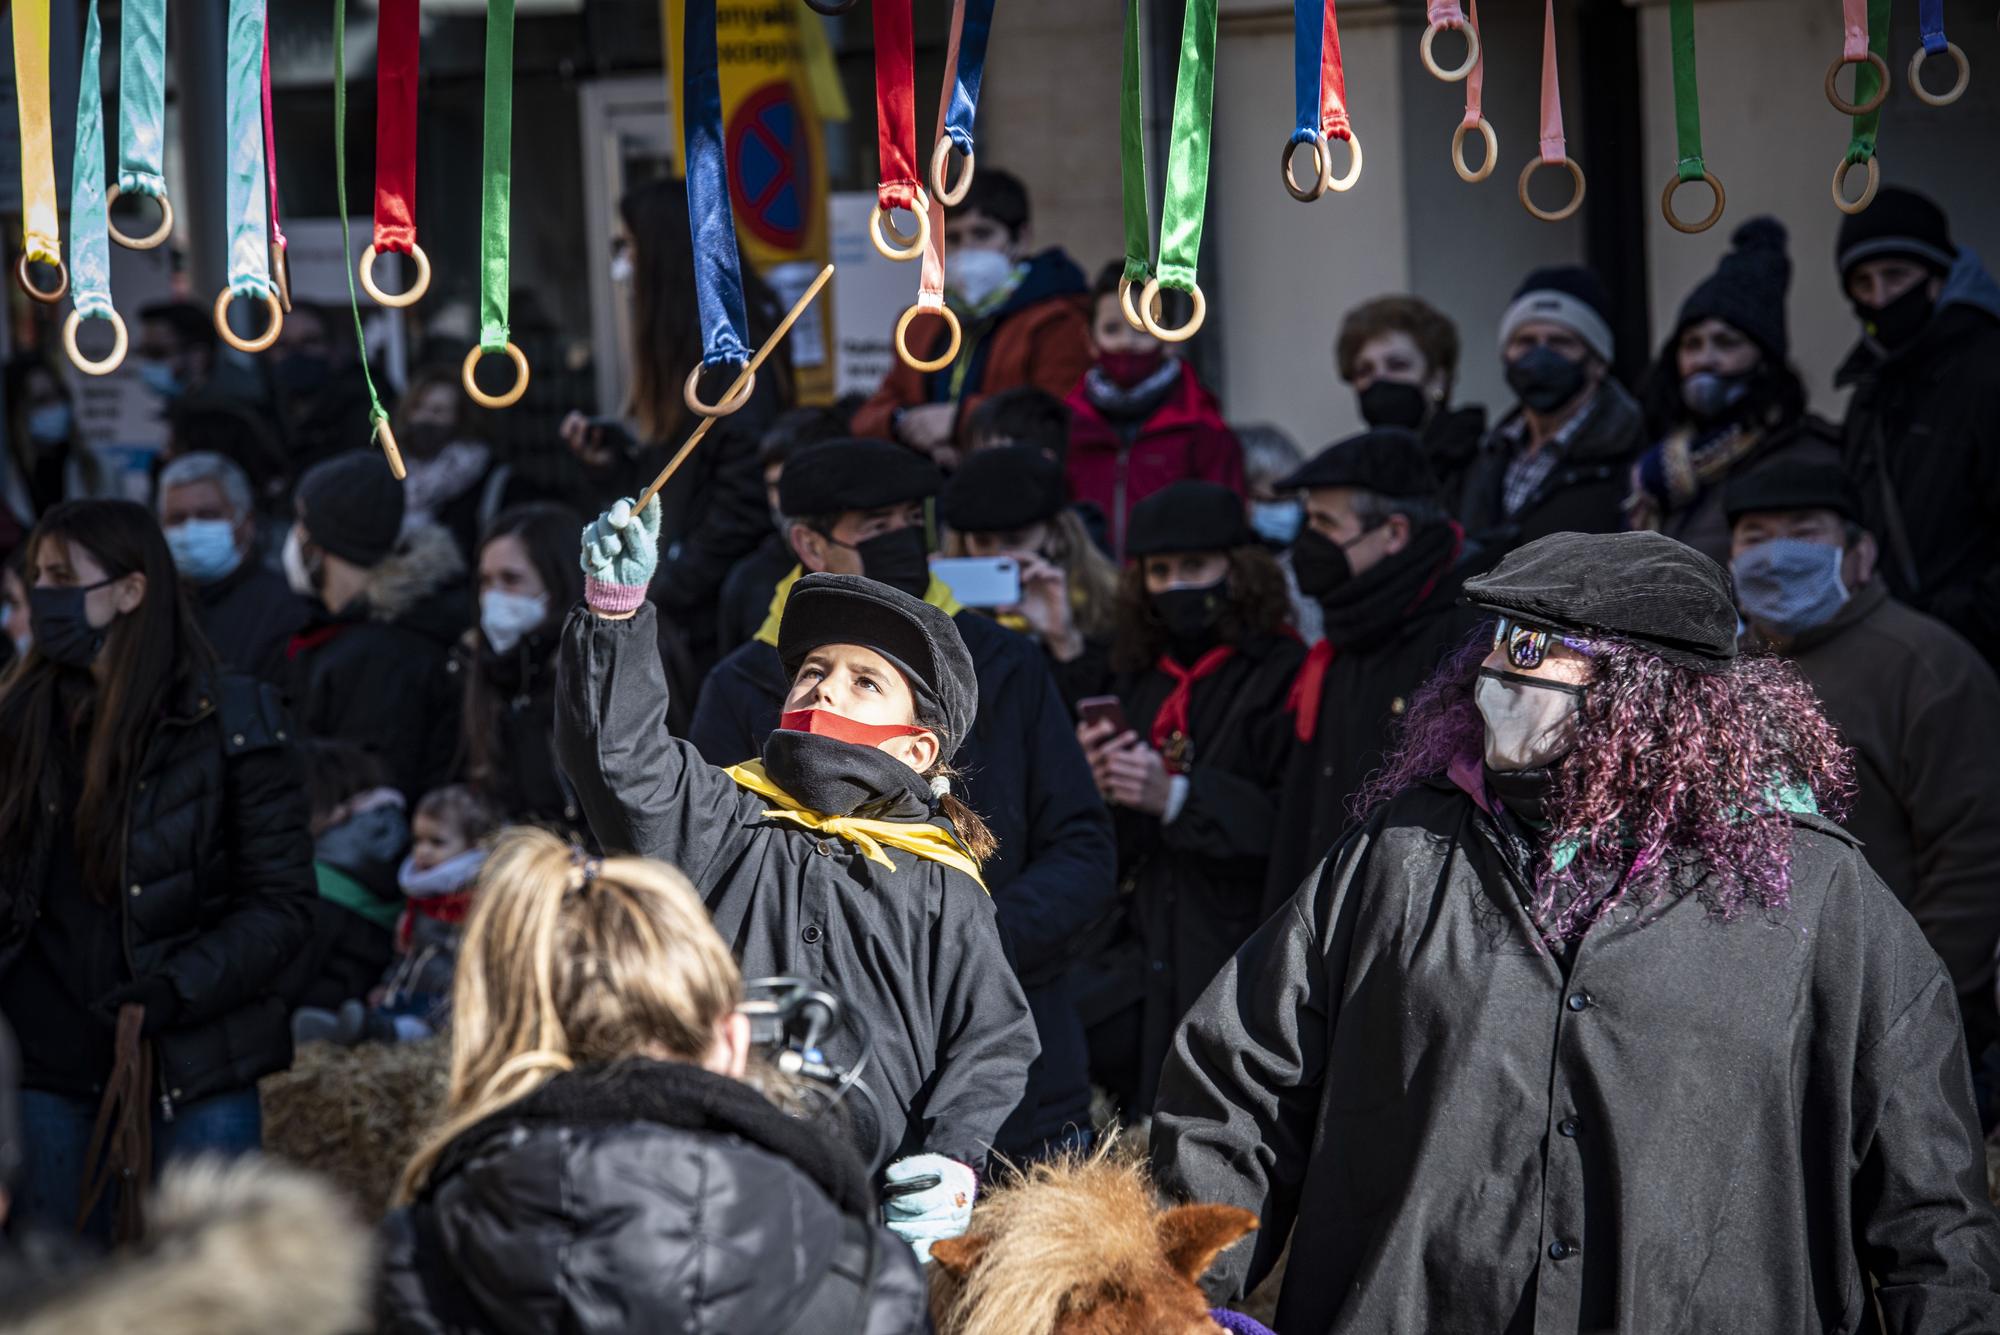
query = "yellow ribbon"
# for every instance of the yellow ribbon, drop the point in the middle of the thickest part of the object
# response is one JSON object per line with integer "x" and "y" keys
{"x": 926, "y": 841}
{"x": 938, "y": 595}
{"x": 41, "y": 232}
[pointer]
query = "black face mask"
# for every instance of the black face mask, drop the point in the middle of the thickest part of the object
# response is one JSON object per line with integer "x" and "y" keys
{"x": 1190, "y": 615}
{"x": 1320, "y": 564}
{"x": 1898, "y": 324}
{"x": 62, "y": 628}
{"x": 1525, "y": 792}
{"x": 1394, "y": 403}
{"x": 1544, "y": 379}
{"x": 899, "y": 559}
{"x": 425, "y": 439}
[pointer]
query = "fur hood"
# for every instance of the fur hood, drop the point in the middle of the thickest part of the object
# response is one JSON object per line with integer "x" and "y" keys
{"x": 233, "y": 1247}
{"x": 426, "y": 562}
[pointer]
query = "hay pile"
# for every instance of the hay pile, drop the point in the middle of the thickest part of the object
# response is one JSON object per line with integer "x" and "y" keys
{"x": 356, "y": 1114}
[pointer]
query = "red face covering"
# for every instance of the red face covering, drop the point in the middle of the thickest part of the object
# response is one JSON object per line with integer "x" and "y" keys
{"x": 826, "y": 723}
{"x": 1126, "y": 369}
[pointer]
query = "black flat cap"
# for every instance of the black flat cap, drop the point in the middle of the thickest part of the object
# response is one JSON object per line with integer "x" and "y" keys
{"x": 1792, "y": 485}
{"x": 1188, "y": 517}
{"x": 1006, "y": 488}
{"x": 856, "y": 473}
{"x": 1645, "y": 587}
{"x": 352, "y": 506}
{"x": 920, "y": 640}
{"x": 1388, "y": 461}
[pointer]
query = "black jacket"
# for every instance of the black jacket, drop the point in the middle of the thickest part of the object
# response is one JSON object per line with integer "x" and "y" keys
{"x": 250, "y": 616}
{"x": 915, "y": 949}
{"x": 1922, "y": 443}
{"x": 642, "y": 1198}
{"x": 1583, "y": 493}
{"x": 1703, "y": 1127}
{"x": 527, "y": 785}
{"x": 1451, "y": 443}
{"x": 217, "y": 887}
{"x": 1054, "y": 875}
{"x": 378, "y": 673}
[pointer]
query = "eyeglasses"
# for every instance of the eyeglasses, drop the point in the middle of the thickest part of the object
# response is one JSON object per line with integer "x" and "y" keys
{"x": 1527, "y": 646}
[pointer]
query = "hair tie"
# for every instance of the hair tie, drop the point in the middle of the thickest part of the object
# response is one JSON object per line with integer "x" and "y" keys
{"x": 940, "y": 785}
{"x": 583, "y": 869}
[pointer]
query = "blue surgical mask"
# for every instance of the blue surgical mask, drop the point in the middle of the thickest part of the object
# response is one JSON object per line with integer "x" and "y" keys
{"x": 204, "y": 549}
{"x": 51, "y": 423}
{"x": 1789, "y": 584}
{"x": 1277, "y": 522}
{"x": 160, "y": 378}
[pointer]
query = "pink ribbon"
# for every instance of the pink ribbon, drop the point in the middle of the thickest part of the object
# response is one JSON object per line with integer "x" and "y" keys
{"x": 1854, "y": 15}
{"x": 1475, "y": 82}
{"x": 930, "y": 277}
{"x": 271, "y": 148}
{"x": 1445, "y": 14}
{"x": 1554, "y": 149}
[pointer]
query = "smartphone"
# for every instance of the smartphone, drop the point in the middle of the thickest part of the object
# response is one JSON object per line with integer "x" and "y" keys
{"x": 1102, "y": 709}
{"x": 981, "y": 581}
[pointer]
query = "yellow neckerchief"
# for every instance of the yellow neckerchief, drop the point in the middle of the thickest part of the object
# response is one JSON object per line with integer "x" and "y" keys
{"x": 925, "y": 840}
{"x": 938, "y": 595}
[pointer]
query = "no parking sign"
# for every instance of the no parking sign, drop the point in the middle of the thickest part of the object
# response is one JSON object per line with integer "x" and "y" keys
{"x": 770, "y": 166}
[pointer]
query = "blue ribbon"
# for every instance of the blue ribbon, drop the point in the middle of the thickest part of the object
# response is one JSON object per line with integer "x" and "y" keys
{"x": 971, "y": 71}
{"x": 1930, "y": 19}
{"x": 1308, "y": 33}
{"x": 718, "y": 269}
{"x": 248, "y": 197}
{"x": 142, "y": 97}
{"x": 89, "y": 244}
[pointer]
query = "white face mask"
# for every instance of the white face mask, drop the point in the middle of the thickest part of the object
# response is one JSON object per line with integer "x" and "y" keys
{"x": 621, "y": 267}
{"x": 976, "y": 274}
{"x": 296, "y": 573}
{"x": 1529, "y": 722}
{"x": 505, "y": 618}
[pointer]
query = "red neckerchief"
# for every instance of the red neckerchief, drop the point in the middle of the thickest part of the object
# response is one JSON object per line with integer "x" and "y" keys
{"x": 305, "y": 641}
{"x": 449, "y": 909}
{"x": 1173, "y": 715}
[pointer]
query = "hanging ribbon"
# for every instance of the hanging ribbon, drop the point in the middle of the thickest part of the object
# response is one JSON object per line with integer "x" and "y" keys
{"x": 1475, "y": 117}
{"x": 378, "y": 419}
{"x": 248, "y": 197}
{"x": 1687, "y": 124}
{"x": 281, "y": 265}
{"x": 495, "y": 205}
{"x": 1857, "y": 48}
{"x": 1187, "y": 175}
{"x": 1132, "y": 172}
{"x": 396, "y": 45}
{"x": 1930, "y": 22}
{"x": 142, "y": 115}
{"x": 41, "y": 232}
{"x": 1871, "y": 87}
{"x": 971, "y": 24}
{"x": 896, "y": 134}
{"x": 718, "y": 268}
{"x": 1555, "y": 152}
{"x": 89, "y": 247}
{"x": 1319, "y": 86}
{"x": 930, "y": 281}
{"x": 1440, "y": 15}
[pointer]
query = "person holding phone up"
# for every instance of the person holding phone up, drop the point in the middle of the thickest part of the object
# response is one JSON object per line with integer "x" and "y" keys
{"x": 1205, "y": 661}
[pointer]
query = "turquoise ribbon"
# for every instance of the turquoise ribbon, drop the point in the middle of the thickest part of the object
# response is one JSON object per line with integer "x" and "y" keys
{"x": 248, "y": 196}
{"x": 89, "y": 243}
{"x": 142, "y": 97}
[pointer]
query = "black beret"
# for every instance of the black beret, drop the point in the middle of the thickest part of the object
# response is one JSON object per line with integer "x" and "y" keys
{"x": 1792, "y": 484}
{"x": 1188, "y": 517}
{"x": 1388, "y": 461}
{"x": 1644, "y": 587}
{"x": 1010, "y": 487}
{"x": 919, "y": 639}
{"x": 352, "y": 506}
{"x": 836, "y": 476}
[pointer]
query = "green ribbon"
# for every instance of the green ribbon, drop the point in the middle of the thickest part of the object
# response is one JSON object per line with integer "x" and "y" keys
{"x": 1867, "y": 82}
{"x": 377, "y": 415}
{"x": 89, "y": 244}
{"x": 1132, "y": 157}
{"x": 496, "y": 190}
{"x": 1187, "y": 160}
{"x": 142, "y": 97}
{"x": 1687, "y": 98}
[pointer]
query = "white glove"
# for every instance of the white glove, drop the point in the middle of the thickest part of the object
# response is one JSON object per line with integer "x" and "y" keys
{"x": 942, "y": 1211}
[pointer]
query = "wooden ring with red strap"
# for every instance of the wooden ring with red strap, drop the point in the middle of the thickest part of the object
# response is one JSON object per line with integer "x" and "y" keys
{"x": 1841, "y": 104}
{"x": 1552, "y": 215}
{"x": 1465, "y": 173}
{"x": 892, "y": 244}
{"x": 1429, "y": 56}
{"x": 943, "y": 359}
{"x": 396, "y": 300}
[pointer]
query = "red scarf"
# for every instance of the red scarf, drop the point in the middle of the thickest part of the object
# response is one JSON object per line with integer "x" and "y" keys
{"x": 1173, "y": 715}
{"x": 449, "y": 909}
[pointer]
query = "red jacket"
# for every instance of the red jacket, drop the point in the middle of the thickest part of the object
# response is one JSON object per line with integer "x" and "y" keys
{"x": 1184, "y": 438}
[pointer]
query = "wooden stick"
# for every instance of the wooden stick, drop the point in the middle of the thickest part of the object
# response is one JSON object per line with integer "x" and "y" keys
{"x": 749, "y": 369}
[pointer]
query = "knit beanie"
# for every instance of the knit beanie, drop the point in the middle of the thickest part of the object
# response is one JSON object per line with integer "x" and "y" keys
{"x": 352, "y": 507}
{"x": 1902, "y": 223}
{"x": 1569, "y": 295}
{"x": 1747, "y": 289}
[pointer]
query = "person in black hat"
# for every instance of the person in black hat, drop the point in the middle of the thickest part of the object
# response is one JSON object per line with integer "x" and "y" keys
{"x": 1722, "y": 397}
{"x": 1376, "y": 557}
{"x": 1922, "y": 433}
{"x": 1917, "y": 703}
{"x": 1596, "y": 979}
{"x": 856, "y": 507}
{"x": 1191, "y": 766}
{"x": 1558, "y": 461}
{"x": 840, "y": 853}
{"x": 372, "y": 666}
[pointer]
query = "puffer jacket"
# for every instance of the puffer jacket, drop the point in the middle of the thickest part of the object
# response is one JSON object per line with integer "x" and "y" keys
{"x": 649, "y": 1197}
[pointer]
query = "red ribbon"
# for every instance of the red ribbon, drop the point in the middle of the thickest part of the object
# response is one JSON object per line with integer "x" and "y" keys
{"x": 396, "y": 43}
{"x": 1173, "y": 715}
{"x": 1332, "y": 81}
{"x": 449, "y": 909}
{"x": 896, "y": 106}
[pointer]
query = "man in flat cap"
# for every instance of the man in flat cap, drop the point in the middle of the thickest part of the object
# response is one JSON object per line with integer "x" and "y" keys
{"x": 1598, "y": 1022}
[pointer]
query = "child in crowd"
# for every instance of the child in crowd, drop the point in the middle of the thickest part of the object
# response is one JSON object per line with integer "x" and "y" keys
{"x": 360, "y": 834}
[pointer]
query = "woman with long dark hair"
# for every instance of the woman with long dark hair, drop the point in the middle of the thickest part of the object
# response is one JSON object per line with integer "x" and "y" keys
{"x": 153, "y": 835}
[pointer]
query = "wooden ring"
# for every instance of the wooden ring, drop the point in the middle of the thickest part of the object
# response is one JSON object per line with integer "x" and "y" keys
{"x": 730, "y": 402}
{"x": 28, "y": 284}
{"x": 950, "y": 353}
{"x": 1429, "y": 57}
{"x": 1673, "y": 220}
{"x": 1575, "y": 203}
{"x": 879, "y": 223}
{"x": 480, "y": 396}
{"x": 1125, "y": 286}
{"x": 1322, "y": 169}
{"x": 1929, "y": 98}
{"x": 1150, "y": 298}
{"x": 281, "y": 275}
{"x": 119, "y": 343}
{"x": 152, "y": 238}
{"x": 1842, "y": 105}
{"x": 1340, "y": 185}
{"x": 1867, "y": 192}
{"x": 397, "y": 300}
{"x": 940, "y": 165}
{"x": 1465, "y": 173}
{"x": 229, "y": 336}
{"x": 385, "y": 436}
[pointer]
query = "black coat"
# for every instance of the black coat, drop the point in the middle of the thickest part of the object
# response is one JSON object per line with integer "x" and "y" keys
{"x": 1584, "y": 492}
{"x": 1054, "y": 875}
{"x": 1703, "y": 1127}
{"x": 216, "y": 892}
{"x": 519, "y": 687}
{"x": 747, "y": 591}
{"x": 640, "y": 1199}
{"x": 915, "y": 949}
{"x": 250, "y": 616}
{"x": 1451, "y": 442}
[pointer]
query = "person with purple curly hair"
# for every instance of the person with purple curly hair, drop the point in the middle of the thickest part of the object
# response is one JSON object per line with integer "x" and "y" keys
{"x": 1597, "y": 1021}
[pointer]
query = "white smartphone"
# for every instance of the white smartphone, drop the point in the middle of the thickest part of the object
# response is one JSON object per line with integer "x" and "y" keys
{"x": 981, "y": 581}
